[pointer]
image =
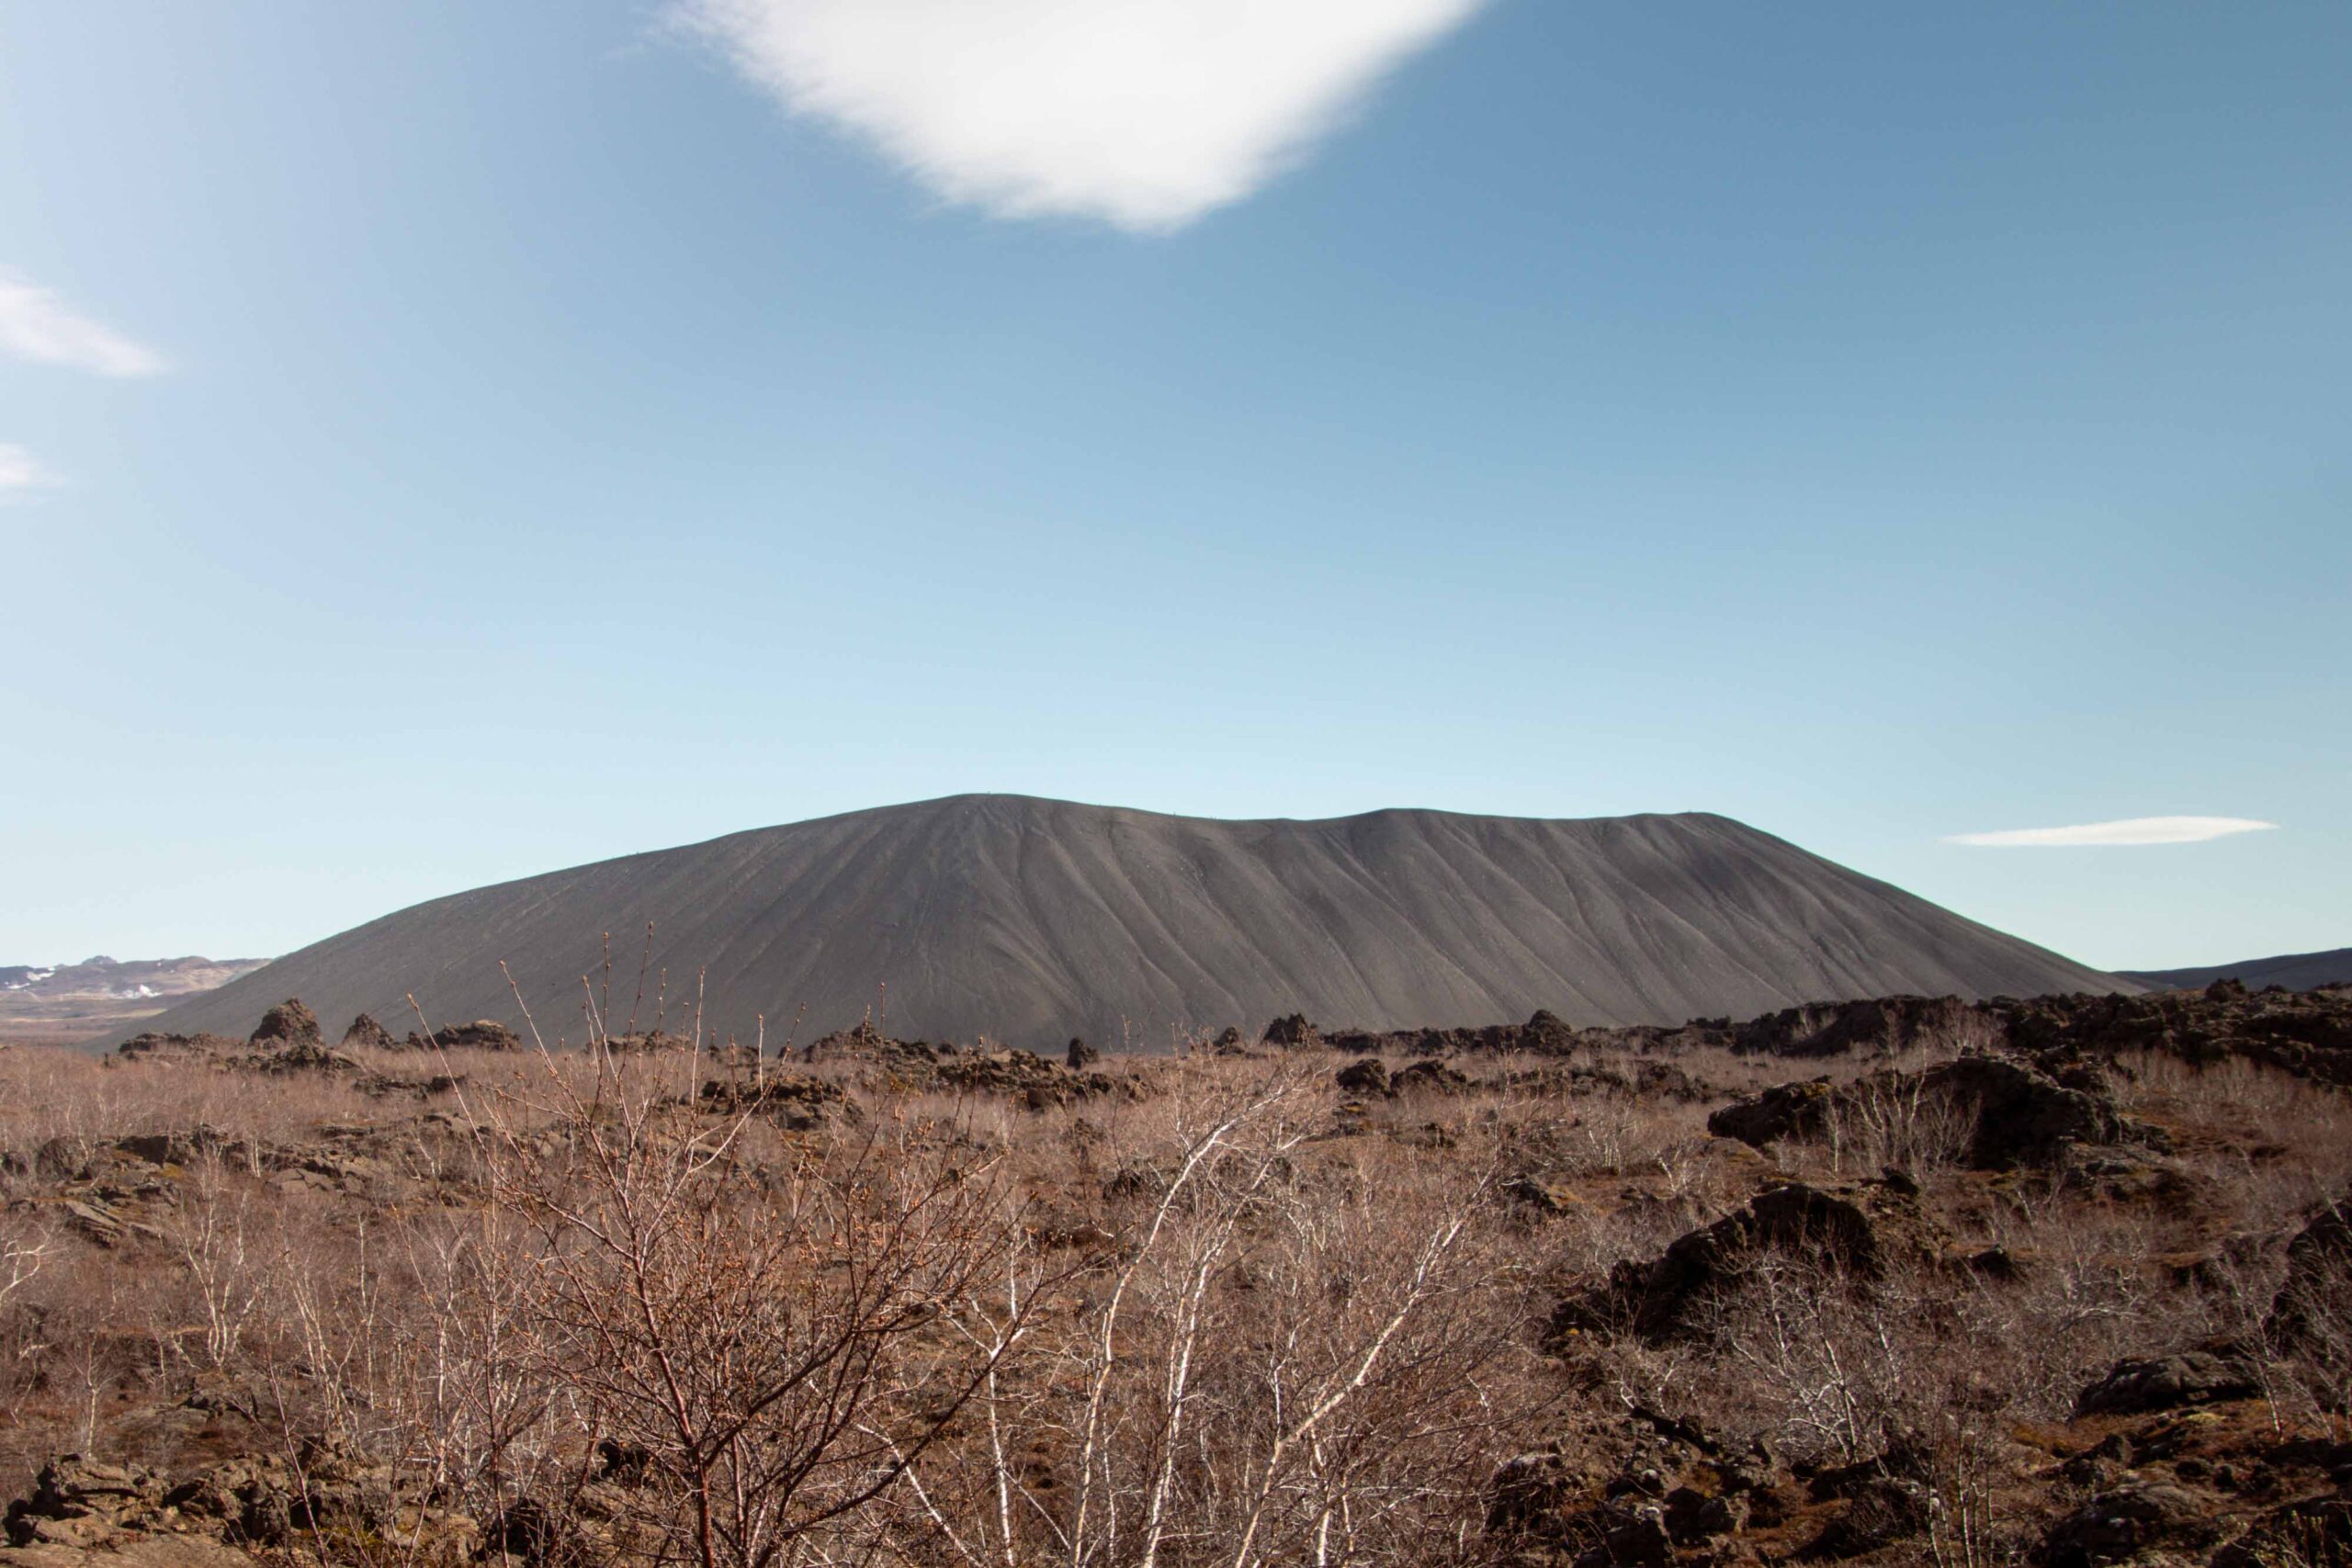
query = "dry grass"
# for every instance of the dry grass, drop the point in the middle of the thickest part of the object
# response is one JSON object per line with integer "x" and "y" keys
{"x": 1223, "y": 1318}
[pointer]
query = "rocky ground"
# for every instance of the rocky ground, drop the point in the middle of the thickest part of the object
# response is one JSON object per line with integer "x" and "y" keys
{"x": 2060, "y": 1281}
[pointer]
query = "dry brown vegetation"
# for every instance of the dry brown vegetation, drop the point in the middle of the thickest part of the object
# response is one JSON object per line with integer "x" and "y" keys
{"x": 576, "y": 1307}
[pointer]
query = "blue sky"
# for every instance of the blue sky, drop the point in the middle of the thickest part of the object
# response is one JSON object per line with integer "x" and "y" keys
{"x": 445, "y": 441}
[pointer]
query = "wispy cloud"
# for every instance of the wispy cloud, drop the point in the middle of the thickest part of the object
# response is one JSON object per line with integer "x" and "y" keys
{"x": 2130, "y": 831}
{"x": 36, "y": 324}
{"x": 22, "y": 474}
{"x": 1145, "y": 114}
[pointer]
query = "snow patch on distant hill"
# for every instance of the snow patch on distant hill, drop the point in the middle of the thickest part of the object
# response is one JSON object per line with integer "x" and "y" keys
{"x": 68, "y": 1003}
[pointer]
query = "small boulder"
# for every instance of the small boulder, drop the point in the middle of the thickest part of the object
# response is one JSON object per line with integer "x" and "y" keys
{"x": 2317, "y": 1530}
{"x": 365, "y": 1032}
{"x": 1879, "y": 1512}
{"x": 1292, "y": 1032}
{"x": 1427, "y": 1078}
{"x": 2318, "y": 1278}
{"x": 1692, "y": 1516}
{"x": 793, "y": 1101}
{"x": 2116, "y": 1526}
{"x": 171, "y": 1148}
{"x": 1635, "y": 1537}
{"x": 299, "y": 1056}
{"x": 624, "y": 1464}
{"x": 1546, "y": 1034}
{"x": 1853, "y": 1231}
{"x": 2023, "y": 1117}
{"x": 2014, "y": 1115}
{"x": 1366, "y": 1078}
{"x": 1527, "y": 1492}
{"x": 482, "y": 1034}
{"x": 2136, "y": 1387}
{"x": 1881, "y": 1025}
{"x": 1784, "y": 1111}
{"x": 288, "y": 1023}
{"x": 78, "y": 1502}
{"x": 1535, "y": 1193}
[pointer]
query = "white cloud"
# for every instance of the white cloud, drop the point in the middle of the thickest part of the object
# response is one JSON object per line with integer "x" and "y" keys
{"x": 2130, "y": 830}
{"x": 36, "y": 324}
{"x": 21, "y": 473}
{"x": 1143, "y": 113}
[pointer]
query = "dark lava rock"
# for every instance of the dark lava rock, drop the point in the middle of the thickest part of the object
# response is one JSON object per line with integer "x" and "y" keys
{"x": 2023, "y": 1117}
{"x": 298, "y": 1056}
{"x": 2020, "y": 1115}
{"x": 1367, "y": 1077}
{"x": 1535, "y": 1193}
{"x": 1992, "y": 1263}
{"x": 1642, "y": 1490}
{"x": 77, "y": 1501}
{"x": 265, "y": 1502}
{"x": 1853, "y": 1231}
{"x": 199, "y": 1048}
{"x": 2101, "y": 1465}
{"x": 1884, "y": 1024}
{"x": 2308, "y": 1033}
{"x": 1906, "y": 1459}
{"x": 300, "y": 1052}
{"x": 2120, "y": 1524}
{"x": 1664, "y": 1081}
{"x": 2317, "y": 1532}
{"x": 1692, "y": 1516}
{"x": 867, "y": 1045}
{"x": 624, "y": 1464}
{"x": 926, "y": 1065}
{"x": 1546, "y": 1034}
{"x": 1543, "y": 1034}
{"x": 1131, "y": 1183}
{"x": 2318, "y": 1278}
{"x": 1528, "y": 1491}
{"x": 2166, "y": 1383}
{"x": 1017, "y": 1072}
{"x": 171, "y": 1148}
{"x": 1843, "y": 1228}
{"x": 1784, "y": 1111}
{"x": 1291, "y": 1032}
{"x": 288, "y": 1023}
{"x": 1427, "y": 1078}
{"x": 1637, "y": 1538}
{"x": 1081, "y": 1055}
{"x": 83, "y": 1511}
{"x": 385, "y": 1085}
{"x": 1880, "y": 1511}
{"x": 367, "y": 1034}
{"x": 797, "y": 1101}
{"x": 2132, "y": 1174}
{"x": 648, "y": 1043}
{"x": 482, "y": 1034}
{"x": 151, "y": 1043}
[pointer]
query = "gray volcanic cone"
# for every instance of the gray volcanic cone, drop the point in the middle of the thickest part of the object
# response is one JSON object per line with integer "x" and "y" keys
{"x": 1032, "y": 921}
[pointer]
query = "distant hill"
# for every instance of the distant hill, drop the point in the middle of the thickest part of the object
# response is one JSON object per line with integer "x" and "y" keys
{"x": 1032, "y": 921}
{"x": 65, "y": 1004}
{"x": 2296, "y": 971}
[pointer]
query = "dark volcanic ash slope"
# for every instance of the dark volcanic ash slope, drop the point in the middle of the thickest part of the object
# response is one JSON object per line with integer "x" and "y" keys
{"x": 1031, "y": 921}
{"x": 2296, "y": 971}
